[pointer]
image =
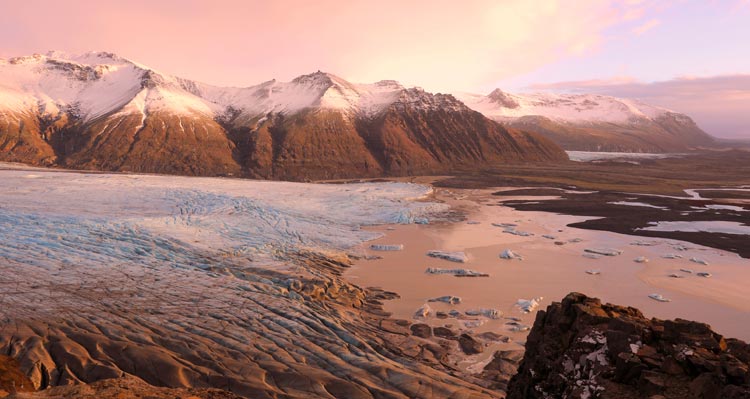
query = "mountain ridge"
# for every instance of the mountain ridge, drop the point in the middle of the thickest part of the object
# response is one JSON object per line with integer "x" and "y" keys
{"x": 593, "y": 122}
{"x": 101, "y": 111}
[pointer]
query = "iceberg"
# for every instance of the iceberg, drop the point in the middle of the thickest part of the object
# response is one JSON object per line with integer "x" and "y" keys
{"x": 604, "y": 251}
{"x": 659, "y": 297}
{"x": 528, "y": 305}
{"x": 458, "y": 257}
{"x": 449, "y": 299}
{"x": 510, "y": 255}
{"x": 488, "y": 313}
{"x": 456, "y": 272}
{"x": 699, "y": 261}
{"x": 387, "y": 247}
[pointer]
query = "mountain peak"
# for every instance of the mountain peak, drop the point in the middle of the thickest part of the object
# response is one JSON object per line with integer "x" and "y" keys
{"x": 317, "y": 78}
{"x": 502, "y": 98}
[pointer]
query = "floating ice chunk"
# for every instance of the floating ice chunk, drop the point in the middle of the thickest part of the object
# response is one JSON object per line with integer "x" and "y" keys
{"x": 549, "y": 237}
{"x": 489, "y": 313}
{"x": 387, "y": 247}
{"x": 474, "y": 323}
{"x": 726, "y": 207}
{"x": 459, "y": 257}
{"x": 421, "y": 221}
{"x": 604, "y": 251}
{"x": 592, "y": 256}
{"x": 528, "y": 305}
{"x": 423, "y": 312}
{"x": 642, "y": 243}
{"x": 450, "y": 299}
{"x": 593, "y": 272}
{"x": 672, "y": 256}
{"x": 686, "y": 271}
{"x": 518, "y": 327}
{"x": 456, "y": 272}
{"x": 473, "y": 222}
{"x": 640, "y": 204}
{"x": 641, "y": 259}
{"x": 505, "y": 225}
{"x": 703, "y": 274}
{"x": 518, "y": 233}
{"x": 575, "y": 240}
{"x": 674, "y": 275}
{"x": 699, "y": 261}
{"x": 508, "y": 254}
{"x": 659, "y": 297}
{"x": 679, "y": 247}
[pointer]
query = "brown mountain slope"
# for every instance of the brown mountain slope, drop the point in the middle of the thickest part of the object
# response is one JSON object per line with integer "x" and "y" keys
{"x": 421, "y": 133}
{"x": 100, "y": 111}
{"x": 159, "y": 142}
{"x": 407, "y": 138}
{"x": 667, "y": 133}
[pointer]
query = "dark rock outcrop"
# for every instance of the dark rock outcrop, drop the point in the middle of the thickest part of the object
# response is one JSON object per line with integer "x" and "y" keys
{"x": 581, "y": 348}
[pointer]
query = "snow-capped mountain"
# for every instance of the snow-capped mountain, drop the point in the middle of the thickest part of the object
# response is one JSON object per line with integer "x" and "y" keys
{"x": 101, "y": 111}
{"x": 592, "y": 122}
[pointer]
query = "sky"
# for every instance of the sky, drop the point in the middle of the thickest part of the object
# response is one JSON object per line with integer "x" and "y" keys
{"x": 661, "y": 51}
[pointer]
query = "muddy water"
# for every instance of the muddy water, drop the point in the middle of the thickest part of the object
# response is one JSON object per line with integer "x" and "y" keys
{"x": 550, "y": 271}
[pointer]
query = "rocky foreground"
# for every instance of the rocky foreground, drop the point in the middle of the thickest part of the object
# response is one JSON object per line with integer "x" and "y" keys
{"x": 581, "y": 348}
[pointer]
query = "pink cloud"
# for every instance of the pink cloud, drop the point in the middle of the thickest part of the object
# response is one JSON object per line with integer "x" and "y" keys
{"x": 436, "y": 44}
{"x": 647, "y": 26}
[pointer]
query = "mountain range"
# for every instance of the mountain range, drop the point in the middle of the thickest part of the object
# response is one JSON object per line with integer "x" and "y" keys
{"x": 593, "y": 122}
{"x": 100, "y": 111}
{"x": 103, "y": 112}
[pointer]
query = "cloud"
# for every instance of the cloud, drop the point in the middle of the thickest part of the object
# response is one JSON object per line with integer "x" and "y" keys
{"x": 438, "y": 44}
{"x": 719, "y": 104}
{"x": 650, "y": 24}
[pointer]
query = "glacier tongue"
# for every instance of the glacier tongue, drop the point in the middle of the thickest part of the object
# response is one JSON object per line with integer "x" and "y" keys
{"x": 68, "y": 222}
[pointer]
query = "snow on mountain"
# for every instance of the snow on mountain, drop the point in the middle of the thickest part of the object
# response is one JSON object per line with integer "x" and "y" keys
{"x": 101, "y": 111}
{"x": 95, "y": 84}
{"x": 319, "y": 90}
{"x": 592, "y": 122}
{"x": 575, "y": 108}
{"x": 52, "y": 84}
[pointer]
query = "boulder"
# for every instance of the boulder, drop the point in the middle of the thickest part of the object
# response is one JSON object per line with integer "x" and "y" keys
{"x": 421, "y": 330}
{"x": 469, "y": 345}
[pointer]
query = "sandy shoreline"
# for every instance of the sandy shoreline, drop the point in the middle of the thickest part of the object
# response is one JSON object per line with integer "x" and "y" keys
{"x": 549, "y": 270}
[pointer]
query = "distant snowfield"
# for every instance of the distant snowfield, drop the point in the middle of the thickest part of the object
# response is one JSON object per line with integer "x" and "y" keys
{"x": 588, "y": 156}
{"x": 701, "y": 226}
{"x": 51, "y": 219}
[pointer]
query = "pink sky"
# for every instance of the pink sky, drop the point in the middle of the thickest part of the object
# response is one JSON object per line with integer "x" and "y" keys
{"x": 439, "y": 45}
{"x": 436, "y": 44}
